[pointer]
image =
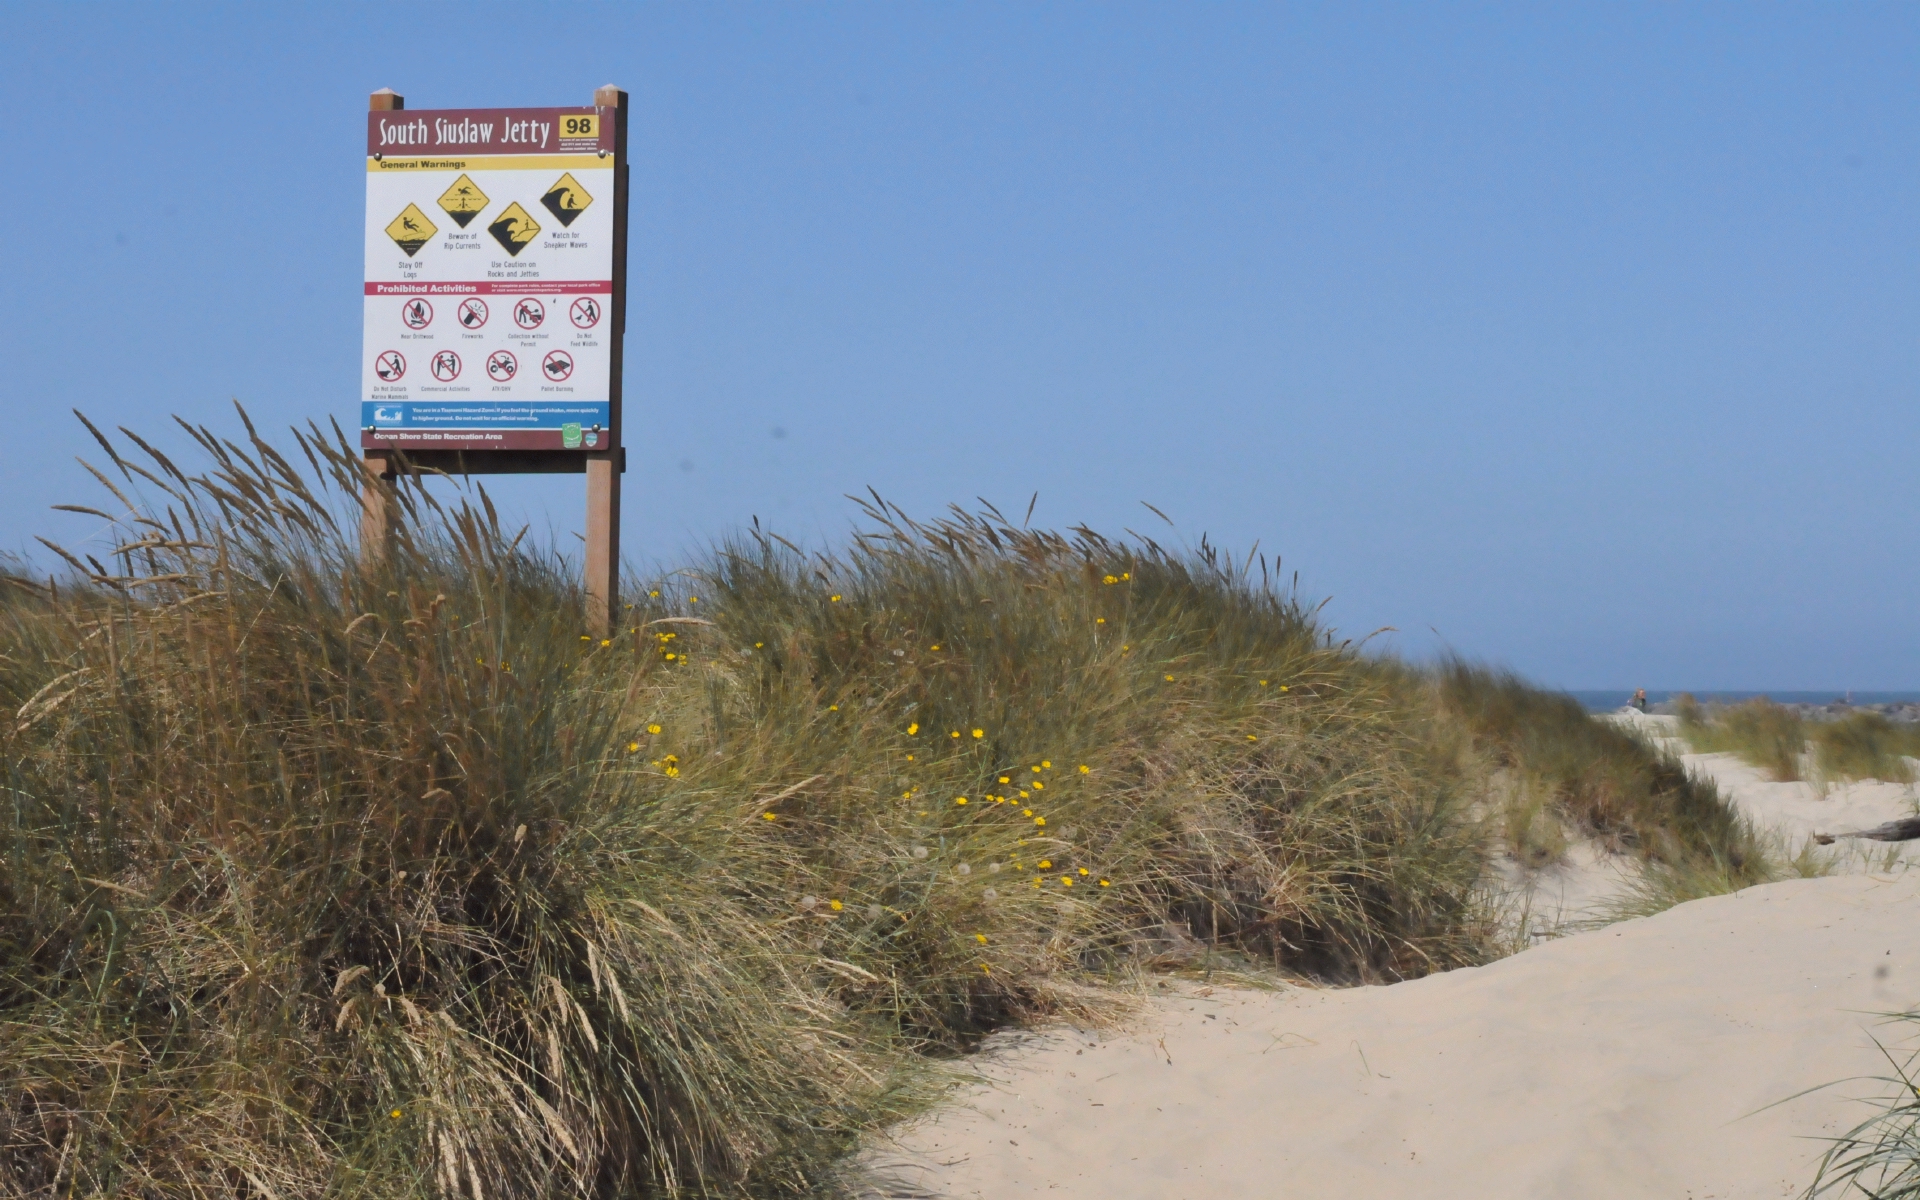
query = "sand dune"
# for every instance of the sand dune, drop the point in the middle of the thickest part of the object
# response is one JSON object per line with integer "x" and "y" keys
{"x": 1635, "y": 1060}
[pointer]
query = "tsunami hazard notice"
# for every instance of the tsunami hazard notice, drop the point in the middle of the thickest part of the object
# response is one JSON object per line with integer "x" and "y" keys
{"x": 487, "y": 312}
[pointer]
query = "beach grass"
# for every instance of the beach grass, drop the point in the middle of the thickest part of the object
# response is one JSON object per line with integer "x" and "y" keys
{"x": 1880, "y": 1157}
{"x": 1767, "y": 735}
{"x": 329, "y": 876}
{"x": 1865, "y": 745}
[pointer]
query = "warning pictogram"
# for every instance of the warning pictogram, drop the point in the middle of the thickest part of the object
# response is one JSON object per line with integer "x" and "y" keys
{"x": 566, "y": 199}
{"x": 558, "y": 364}
{"x": 417, "y": 313}
{"x": 585, "y": 312}
{"x": 528, "y": 313}
{"x": 463, "y": 201}
{"x": 514, "y": 229}
{"x": 445, "y": 366}
{"x": 411, "y": 230}
{"x": 502, "y": 365}
{"x": 473, "y": 312}
{"x": 389, "y": 365}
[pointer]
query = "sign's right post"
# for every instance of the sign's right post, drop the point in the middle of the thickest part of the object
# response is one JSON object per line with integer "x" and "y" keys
{"x": 603, "y": 466}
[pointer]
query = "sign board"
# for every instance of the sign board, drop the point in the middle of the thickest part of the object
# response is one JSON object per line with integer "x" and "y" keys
{"x": 489, "y": 317}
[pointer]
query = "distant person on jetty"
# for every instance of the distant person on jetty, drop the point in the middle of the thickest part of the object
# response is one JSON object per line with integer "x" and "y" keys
{"x": 1640, "y": 699}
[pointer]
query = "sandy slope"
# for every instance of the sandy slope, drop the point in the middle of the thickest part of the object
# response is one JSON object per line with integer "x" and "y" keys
{"x": 1625, "y": 1062}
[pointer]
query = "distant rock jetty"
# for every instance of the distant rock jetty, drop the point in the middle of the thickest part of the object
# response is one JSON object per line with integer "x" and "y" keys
{"x": 1905, "y": 711}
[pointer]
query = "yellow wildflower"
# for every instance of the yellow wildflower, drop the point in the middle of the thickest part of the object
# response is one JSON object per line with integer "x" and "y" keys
{"x": 1110, "y": 579}
{"x": 1085, "y": 769}
{"x": 1252, "y": 738}
{"x": 833, "y": 708}
{"x": 768, "y": 816}
{"x": 395, "y": 1114}
{"x": 1047, "y": 763}
{"x": 1125, "y": 575}
{"x": 693, "y": 599}
{"x": 1045, "y": 863}
{"x": 655, "y": 595}
{"x": 1169, "y": 679}
{"x": 936, "y": 647}
{"x": 981, "y": 938}
{"x": 1004, "y": 779}
{"x": 1263, "y": 683}
{"x": 585, "y": 638}
{"x": 835, "y": 905}
{"x": 1083, "y": 871}
{"x": 979, "y": 733}
{"x": 632, "y": 747}
{"x": 1104, "y": 883}
{"x": 1066, "y": 881}
{"x": 1099, "y": 620}
{"x": 959, "y": 799}
{"x": 654, "y": 728}
{"x": 955, "y": 733}
{"x": 1038, "y": 786}
{"x": 606, "y": 641}
{"x": 913, "y": 728}
{"x": 673, "y": 772}
{"x": 1039, "y": 820}
{"x": 1026, "y": 812}
{"x": 834, "y": 599}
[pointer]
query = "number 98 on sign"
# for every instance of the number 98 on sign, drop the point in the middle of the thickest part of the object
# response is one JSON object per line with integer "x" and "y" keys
{"x": 587, "y": 126}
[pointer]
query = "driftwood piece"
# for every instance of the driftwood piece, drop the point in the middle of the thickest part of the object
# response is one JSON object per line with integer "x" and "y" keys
{"x": 1903, "y": 830}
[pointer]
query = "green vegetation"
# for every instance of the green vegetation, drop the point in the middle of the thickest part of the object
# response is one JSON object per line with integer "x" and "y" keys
{"x": 1600, "y": 777}
{"x": 1865, "y": 745}
{"x": 1880, "y": 1157}
{"x": 1763, "y": 733}
{"x": 1862, "y": 745}
{"x": 328, "y": 877}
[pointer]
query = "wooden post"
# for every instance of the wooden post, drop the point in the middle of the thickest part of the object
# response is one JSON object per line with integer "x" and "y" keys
{"x": 376, "y": 522}
{"x": 603, "y": 466}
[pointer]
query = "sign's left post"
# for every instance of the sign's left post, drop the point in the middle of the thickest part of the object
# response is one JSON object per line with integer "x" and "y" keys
{"x": 376, "y": 516}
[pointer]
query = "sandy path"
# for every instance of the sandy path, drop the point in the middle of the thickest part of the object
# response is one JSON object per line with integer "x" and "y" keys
{"x": 1619, "y": 1063}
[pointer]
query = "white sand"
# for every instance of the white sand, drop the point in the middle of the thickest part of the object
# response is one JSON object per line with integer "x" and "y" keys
{"x": 1625, "y": 1062}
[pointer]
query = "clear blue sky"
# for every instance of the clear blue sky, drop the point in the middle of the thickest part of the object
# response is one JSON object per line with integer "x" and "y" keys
{"x": 1583, "y": 336}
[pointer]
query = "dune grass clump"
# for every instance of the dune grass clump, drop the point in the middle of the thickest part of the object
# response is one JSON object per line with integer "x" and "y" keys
{"x": 1599, "y": 779}
{"x": 1864, "y": 745}
{"x": 1880, "y": 1157}
{"x": 329, "y": 876}
{"x": 1767, "y": 735}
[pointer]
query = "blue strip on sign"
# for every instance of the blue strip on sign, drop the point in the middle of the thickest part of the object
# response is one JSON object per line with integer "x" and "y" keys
{"x": 533, "y": 414}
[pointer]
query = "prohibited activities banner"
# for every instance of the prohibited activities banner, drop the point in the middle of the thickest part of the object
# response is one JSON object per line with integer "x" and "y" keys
{"x": 489, "y": 279}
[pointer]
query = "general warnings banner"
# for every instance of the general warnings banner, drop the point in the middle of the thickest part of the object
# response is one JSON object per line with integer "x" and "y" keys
{"x": 489, "y": 279}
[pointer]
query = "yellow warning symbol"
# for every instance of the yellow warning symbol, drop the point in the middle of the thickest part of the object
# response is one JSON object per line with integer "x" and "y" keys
{"x": 514, "y": 229}
{"x": 463, "y": 201}
{"x": 566, "y": 199}
{"x": 411, "y": 230}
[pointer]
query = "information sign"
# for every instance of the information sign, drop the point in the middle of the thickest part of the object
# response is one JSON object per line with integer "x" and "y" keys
{"x": 479, "y": 212}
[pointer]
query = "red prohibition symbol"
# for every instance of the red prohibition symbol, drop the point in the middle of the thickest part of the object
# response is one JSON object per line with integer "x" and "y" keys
{"x": 502, "y": 366}
{"x": 558, "y": 364}
{"x": 389, "y": 365}
{"x": 585, "y": 312}
{"x": 417, "y": 313}
{"x": 473, "y": 313}
{"x": 445, "y": 366}
{"x": 528, "y": 313}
